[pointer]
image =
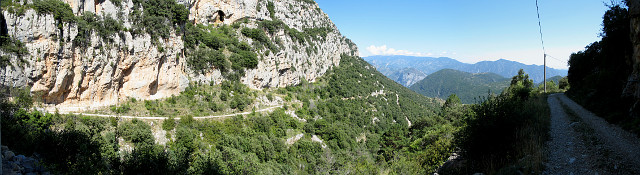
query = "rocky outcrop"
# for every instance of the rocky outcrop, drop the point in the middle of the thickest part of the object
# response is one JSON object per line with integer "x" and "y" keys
{"x": 632, "y": 89}
{"x": 20, "y": 164}
{"x": 71, "y": 77}
{"x": 407, "y": 76}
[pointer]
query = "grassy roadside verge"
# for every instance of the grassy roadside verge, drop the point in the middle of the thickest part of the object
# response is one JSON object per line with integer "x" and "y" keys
{"x": 505, "y": 135}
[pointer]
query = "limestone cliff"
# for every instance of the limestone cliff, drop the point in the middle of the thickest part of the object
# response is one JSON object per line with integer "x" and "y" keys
{"x": 125, "y": 64}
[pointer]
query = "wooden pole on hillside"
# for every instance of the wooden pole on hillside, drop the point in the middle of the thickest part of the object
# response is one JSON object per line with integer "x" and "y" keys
{"x": 544, "y": 81}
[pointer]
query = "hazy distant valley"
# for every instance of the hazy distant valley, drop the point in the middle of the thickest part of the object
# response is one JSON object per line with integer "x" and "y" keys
{"x": 408, "y": 70}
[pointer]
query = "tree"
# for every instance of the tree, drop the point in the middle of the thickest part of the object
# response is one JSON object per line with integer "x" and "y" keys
{"x": 522, "y": 78}
{"x": 521, "y": 85}
{"x": 452, "y": 100}
{"x": 23, "y": 98}
{"x": 599, "y": 73}
{"x": 564, "y": 83}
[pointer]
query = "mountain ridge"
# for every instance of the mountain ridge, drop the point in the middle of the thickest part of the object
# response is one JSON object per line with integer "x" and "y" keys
{"x": 467, "y": 86}
{"x": 389, "y": 65}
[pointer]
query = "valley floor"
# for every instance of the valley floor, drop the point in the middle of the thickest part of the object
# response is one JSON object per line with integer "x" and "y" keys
{"x": 583, "y": 143}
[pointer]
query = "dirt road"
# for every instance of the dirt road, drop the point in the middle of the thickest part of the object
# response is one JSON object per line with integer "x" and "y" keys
{"x": 583, "y": 143}
{"x": 269, "y": 109}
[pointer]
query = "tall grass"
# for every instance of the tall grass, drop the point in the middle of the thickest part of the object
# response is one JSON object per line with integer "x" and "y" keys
{"x": 505, "y": 135}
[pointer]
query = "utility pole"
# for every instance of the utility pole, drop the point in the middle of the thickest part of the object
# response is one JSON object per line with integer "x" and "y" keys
{"x": 545, "y": 73}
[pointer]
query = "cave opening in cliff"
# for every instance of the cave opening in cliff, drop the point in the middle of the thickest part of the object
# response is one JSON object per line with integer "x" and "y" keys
{"x": 220, "y": 16}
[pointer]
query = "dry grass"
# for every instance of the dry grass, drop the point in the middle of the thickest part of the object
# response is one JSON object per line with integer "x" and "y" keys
{"x": 532, "y": 139}
{"x": 526, "y": 133}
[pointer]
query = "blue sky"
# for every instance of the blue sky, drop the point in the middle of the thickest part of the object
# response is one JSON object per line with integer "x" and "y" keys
{"x": 469, "y": 30}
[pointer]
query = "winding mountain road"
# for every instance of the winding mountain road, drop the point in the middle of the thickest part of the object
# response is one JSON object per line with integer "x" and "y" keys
{"x": 583, "y": 143}
{"x": 269, "y": 109}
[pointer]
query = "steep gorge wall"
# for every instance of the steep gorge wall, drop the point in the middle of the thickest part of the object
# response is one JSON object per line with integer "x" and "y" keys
{"x": 71, "y": 77}
{"x": 632, "y": 88}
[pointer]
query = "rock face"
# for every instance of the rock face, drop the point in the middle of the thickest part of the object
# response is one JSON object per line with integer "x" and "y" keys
{"x": 407, "y": 76}
{"x": 72, "y": 78}
{"x": 20, "y": 164}
{"x": 632, "y": 88}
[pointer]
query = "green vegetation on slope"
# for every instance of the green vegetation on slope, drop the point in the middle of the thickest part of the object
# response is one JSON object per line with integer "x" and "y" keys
{"x": 598, "y": 74}
{"x": 196, "y": 100}
{"x": 105, "y": 28}
{"x": 505, "y": 134}
{"x": 368, "y": 124}
{"x": 61, "y": 11}
{"x": 207, "y": 46}
{"x": 9, "y": 45}
{"x": 158, "y": 17}
{"x": 469, "y": 87}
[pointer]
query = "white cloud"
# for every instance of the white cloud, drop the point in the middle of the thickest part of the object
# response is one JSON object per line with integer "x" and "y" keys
{"x": 383, "y": 50}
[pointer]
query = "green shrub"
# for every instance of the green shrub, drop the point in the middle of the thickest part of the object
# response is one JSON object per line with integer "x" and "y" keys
{"x": 255, "y": 34}
{"x": 246, "y": 59}
{"x": 204, "y": 58}
{"x": 269, "y": 96}
{"x": 23, "y": 98}
{"x": 271, "y": 8}
{"x": 211, "y": 42}
{"x": 224, "y": 95}
{"x": 153, "y": 107}
{"x": 61, "y": 11}
{"x": 272, "y": 26}
{"x": 118, "y": 3}
{"x": 11, "y": 45}
{"x": 172, "y": 100}
{"x": 123, "y": 108}
{"x": 169, "y": 124}
{"x": 136, "y": 131}
{"x": 109, "y": 27}
{"x": 240, "y": 102}
{"x": 158, "y": 17}
{"x": 186, "y": 121}
{"x": 105, "y": 27}
{"x": 564, "y": 83}
{"x": 505, "y": 128}
{"x": 13, "y": 6}
{"x": 113, "y": 121}
{"x": 214, "y": 107}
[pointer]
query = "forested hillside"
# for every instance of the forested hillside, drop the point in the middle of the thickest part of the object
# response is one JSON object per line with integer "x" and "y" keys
{"x": 353, "y": 120}
{"x": 601, "y": 75}
{"x": 177, "y": 87}
{"x": 469, "y": 87}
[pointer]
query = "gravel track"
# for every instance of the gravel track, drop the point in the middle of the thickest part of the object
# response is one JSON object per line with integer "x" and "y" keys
{"x": 583, "y": 143}
{"x": 269, "y": 109}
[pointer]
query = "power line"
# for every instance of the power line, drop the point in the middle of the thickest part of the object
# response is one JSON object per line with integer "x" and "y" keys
{"x": 558, "y": 59}
{"x": 543, "y": 50}
{"x": 540, "y": 27}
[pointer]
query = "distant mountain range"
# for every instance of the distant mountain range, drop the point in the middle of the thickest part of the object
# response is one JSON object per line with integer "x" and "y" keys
{"x": 465, "y": 85}
{"x": 401, "y": 68}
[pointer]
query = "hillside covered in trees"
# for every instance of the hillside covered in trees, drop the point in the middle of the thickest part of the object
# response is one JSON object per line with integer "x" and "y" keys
{"x": 600, "y": 74}
{"x": 469, "y": 87}
{"x": 352, "y": 120}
